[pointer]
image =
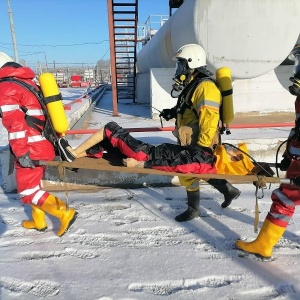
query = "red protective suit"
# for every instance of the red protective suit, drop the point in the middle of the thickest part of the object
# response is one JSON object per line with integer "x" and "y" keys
{"x": 287, "y": 196}
{"x": 14, "y": 101}
{"x": 165, "y": 157}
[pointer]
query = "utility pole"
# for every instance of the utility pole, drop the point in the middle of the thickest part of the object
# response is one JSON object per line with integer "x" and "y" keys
{"x": 46, "y": 61}
{"x": 40, "y": 68}
{"x": 13, "y": 34}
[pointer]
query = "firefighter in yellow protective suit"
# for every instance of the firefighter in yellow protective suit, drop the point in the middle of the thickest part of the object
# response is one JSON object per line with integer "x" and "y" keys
{"x": 197, "y": 116}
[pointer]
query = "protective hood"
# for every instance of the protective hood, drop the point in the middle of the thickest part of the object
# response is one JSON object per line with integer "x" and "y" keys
{"x": 21, "y": 72}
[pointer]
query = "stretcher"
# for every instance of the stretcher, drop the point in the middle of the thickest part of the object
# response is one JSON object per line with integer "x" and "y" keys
{"x": 114, "y": 164}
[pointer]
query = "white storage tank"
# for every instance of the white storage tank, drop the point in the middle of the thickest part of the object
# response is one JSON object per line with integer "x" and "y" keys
{"x": 252, "y": 37}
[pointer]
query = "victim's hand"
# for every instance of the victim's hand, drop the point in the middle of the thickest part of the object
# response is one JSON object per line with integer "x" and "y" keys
{"x": 133, "y": 163}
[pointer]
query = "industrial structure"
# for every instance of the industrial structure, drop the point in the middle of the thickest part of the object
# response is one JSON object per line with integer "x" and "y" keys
{"x": 123, "y": 33}
{"x": 243, "y": 35}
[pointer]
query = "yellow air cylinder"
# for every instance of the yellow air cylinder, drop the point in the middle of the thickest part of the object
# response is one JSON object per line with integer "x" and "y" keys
{"x": 54, "y": 103}
{"x": 223, "y": 77}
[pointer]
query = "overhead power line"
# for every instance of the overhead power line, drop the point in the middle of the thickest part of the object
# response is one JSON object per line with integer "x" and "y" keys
{"x": 58, "y": 45}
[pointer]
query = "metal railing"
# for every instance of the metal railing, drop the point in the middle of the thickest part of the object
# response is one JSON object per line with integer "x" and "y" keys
{"x": 151, "y": 26}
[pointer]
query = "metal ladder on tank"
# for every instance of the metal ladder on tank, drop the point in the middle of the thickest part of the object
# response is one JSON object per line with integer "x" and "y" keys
{"x": 125, "y": 19}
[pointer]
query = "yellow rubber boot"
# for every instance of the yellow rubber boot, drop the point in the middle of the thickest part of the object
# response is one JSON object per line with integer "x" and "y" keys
{"x": 267, "y": 238}
{"x": 38, "y": 220}
{"x": 57, "y": 208}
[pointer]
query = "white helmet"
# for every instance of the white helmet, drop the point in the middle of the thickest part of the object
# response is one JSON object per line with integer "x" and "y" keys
{"x": 194, "y": 55}
{"x": 4, "y": 58}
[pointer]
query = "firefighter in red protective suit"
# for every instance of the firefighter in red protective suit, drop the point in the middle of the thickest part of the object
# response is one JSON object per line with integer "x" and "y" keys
{"x": 23, "y": 117}
{"x": 196, "y": 126}
{"x": 287, "y": 196}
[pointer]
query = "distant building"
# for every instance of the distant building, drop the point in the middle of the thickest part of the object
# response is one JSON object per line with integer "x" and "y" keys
{"x": 88, "y": 75}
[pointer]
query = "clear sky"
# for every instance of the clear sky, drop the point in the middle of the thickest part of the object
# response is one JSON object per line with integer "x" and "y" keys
{"x": 64, "y": 31}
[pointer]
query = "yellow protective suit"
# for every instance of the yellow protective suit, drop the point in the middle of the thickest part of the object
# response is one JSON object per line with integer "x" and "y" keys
{"x": 206, "y": 100}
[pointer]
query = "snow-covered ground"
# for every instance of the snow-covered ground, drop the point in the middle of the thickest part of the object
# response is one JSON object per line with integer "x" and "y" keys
{"x": 125, "y": 245}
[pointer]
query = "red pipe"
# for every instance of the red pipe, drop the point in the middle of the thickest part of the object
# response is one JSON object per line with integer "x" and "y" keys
{"x": 142, "y": 129}
{"x": 67, "y": 106}
{"x": 263, "y": 125}
{"x": 151, "y": 129}
{"x": 111, "y": 29}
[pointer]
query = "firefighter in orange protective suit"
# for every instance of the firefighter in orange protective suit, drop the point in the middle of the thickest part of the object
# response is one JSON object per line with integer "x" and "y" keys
{"x": 287, "y": 196}
{"x": 24, "y": 118}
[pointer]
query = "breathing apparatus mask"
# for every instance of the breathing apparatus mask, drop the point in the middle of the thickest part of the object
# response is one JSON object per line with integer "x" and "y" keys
{"x": 181, "y": 77}
{"x": 295, "y": 56}
{"x": 189, "y": 58}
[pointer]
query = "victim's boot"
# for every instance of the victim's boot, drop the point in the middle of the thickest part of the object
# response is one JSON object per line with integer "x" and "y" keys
{"x": 227, "y": 189}
{"x": 193, "y": 207}
{"x": 57, "y": 208}
{"x": 38, "y": 220}
{"x": 267, "y": 238}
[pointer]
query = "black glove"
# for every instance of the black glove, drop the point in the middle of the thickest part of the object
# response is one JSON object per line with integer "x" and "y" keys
{"x": 296, "y": 181}
{"x": 262, "y": 169}
{"x": 284, "y": 164}
{"x": 25, "y": 161}
{"x": 168, "y": 113}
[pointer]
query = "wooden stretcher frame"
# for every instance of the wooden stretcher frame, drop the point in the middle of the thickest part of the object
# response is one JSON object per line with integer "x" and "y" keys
{"x": 115, "y": 165}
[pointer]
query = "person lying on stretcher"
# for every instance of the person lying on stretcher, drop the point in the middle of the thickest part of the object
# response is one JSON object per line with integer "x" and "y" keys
{"x": 197, "y": 118}
{"x": 136, "y": 154}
